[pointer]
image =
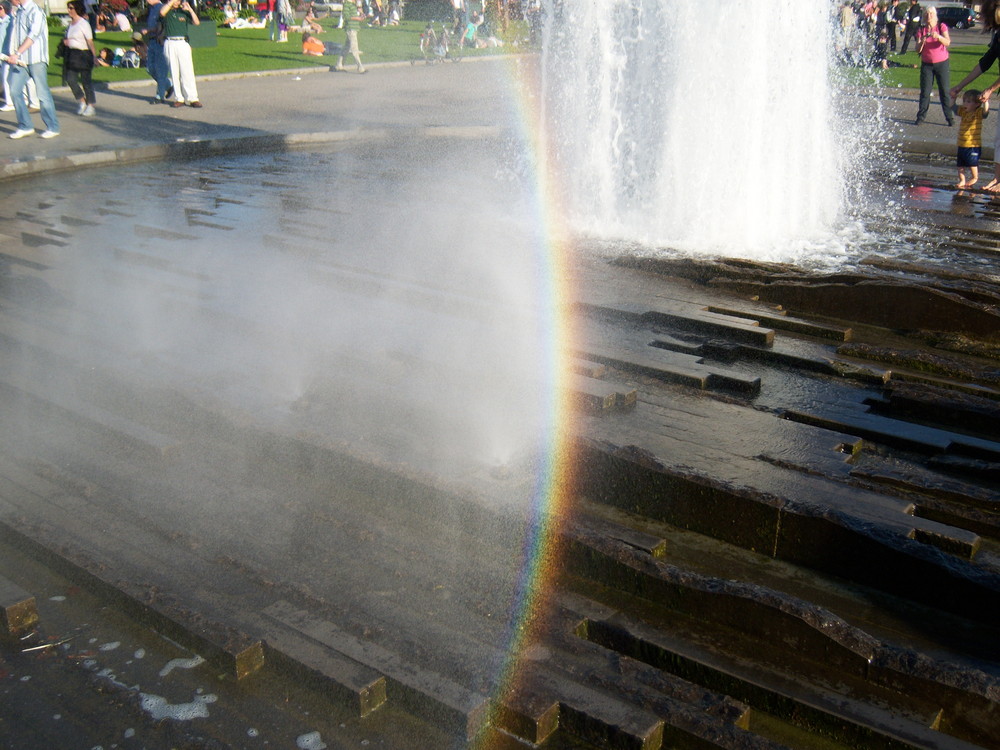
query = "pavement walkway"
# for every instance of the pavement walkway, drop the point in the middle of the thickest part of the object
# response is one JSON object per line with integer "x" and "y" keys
{"x": 315, "y": 104}
{"x": 262, "y": 107}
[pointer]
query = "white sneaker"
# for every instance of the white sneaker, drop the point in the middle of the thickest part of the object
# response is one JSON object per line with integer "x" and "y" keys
{"x": 79, "y": 109}
{"x": 19, "y": 133}
{"x": 7, "y": 108}
{"x": 89, "y": 111}
{"x": 50, "y": 134}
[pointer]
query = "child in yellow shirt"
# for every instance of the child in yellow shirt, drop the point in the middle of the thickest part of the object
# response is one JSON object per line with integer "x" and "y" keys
{"x": 970, "y": 135}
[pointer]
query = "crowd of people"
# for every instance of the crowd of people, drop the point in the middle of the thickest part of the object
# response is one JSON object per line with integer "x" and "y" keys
{"x": 868, "y": 32}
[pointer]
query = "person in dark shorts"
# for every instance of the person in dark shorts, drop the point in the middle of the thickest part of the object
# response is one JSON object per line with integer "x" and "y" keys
{"x": 970, "y": 136}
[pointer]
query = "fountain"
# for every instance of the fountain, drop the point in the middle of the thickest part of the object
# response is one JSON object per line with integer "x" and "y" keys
{"x": 310, "y": 437}
{"x": 686, "y": 125}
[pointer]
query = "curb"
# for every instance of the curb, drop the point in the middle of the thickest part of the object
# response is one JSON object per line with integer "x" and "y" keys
{"x": 188, "y": 149}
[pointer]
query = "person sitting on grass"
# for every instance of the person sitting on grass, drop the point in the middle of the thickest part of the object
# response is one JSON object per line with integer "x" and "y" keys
{"x": 309, "y": 23}
{"x": 311, "y": 45}
{"x": 318, "y": 48}
{"x": 105, "y": 58}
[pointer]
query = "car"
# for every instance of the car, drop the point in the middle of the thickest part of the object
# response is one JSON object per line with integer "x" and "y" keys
{"x": 956, "y": 16}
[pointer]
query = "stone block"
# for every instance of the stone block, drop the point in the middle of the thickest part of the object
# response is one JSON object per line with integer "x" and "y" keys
{"x": 18, "y": 613}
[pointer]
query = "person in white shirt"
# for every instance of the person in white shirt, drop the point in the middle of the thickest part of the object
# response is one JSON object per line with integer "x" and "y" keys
{"x": 29, "y": 59}
{"x": 78, "y": 58}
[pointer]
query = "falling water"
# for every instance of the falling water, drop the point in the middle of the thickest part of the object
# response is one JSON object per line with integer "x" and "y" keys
{"x": 704, "y": 126}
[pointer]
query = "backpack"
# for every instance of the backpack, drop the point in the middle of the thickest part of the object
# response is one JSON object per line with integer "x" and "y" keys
{"x": 131, "y": 59}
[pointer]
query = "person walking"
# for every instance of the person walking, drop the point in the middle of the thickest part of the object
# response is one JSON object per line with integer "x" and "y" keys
{"x": 177, "y": 16}
{"x": 29, "y": 60}
{"x": 156, "y": 58}
{"x": 5, "y": 18}
{"x": 6, "y": 32}
{"x": 352, "y": 18}
{"x": 933, "y": 41}
{"x": 895, "y": 15}
{"x": 911, "y": 25}
{"x": 78, "y": 58}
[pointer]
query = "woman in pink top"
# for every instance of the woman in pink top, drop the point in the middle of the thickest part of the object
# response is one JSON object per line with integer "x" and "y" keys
{"x": 932, "y": 45}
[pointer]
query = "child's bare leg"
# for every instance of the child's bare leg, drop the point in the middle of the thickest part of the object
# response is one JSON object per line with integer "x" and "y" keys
{"x": 961, "y": 178}
{"x": 974, "y": 175}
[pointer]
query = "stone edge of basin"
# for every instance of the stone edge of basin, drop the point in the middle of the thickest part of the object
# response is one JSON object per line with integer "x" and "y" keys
{"x": 197, "y": 148}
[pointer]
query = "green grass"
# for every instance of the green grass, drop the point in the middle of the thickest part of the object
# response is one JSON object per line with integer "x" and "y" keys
{"x": 248, "y": 50}
{"x": 961, "y": 61}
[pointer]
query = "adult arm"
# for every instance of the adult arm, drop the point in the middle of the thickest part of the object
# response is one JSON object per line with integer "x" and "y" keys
{"x": 981, "y": 67}
{"x": 973, "y": 75}
{"x": 989, "y": 90}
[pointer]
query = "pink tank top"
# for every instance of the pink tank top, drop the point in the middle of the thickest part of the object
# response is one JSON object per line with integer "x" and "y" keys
{"x": 933, "y": 51}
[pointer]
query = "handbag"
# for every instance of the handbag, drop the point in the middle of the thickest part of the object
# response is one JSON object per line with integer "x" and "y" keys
{"x": 60, "y": 50}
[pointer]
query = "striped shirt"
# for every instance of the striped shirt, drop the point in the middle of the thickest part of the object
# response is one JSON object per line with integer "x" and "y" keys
{"x": 970, "y": 130}
{"x": 29, "y": 23}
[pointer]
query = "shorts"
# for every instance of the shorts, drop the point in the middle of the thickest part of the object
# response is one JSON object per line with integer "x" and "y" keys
{"x": 968, "y": 156}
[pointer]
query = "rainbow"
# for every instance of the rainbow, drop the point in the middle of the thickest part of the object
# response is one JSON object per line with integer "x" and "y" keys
{"x": 539, "y": 553}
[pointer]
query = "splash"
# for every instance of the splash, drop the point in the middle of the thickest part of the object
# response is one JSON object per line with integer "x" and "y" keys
{"x": 706, "y": 126}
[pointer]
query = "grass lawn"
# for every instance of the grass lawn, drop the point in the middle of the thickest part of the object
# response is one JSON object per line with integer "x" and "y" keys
{"x": 961, "y": 61}
{"x": 247, "y": 50}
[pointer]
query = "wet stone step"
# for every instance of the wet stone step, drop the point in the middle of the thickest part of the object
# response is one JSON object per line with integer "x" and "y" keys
{"x": 897, "y": 433}
{"x": 346, "y": 681}
{"x": 598, "y": 396}
{"x": 681, "y": 703}
{"x": 871, "y": 539}
{"x": 596, "y": 716}
{"x": 850, "y": 720}
{"x": 764, "y": 433}
{"x": 18, "y": 612}
{"x": 933, "y": 484}
{"x": 122, "y": 430}
{"x": 426, "y": 693}
{"x": 588, "y": 368}
{"x": 786, "y": 322}
{"x": 670, "y": 367}
{"x": 173, "y": 615}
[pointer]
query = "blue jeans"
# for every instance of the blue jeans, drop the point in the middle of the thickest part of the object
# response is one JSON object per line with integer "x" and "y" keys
{"x": 18, "y": 80}
{"x": 156, "y": 65}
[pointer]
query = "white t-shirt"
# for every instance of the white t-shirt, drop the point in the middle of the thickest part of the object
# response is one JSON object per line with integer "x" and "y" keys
{"x": 78, "y": 34}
